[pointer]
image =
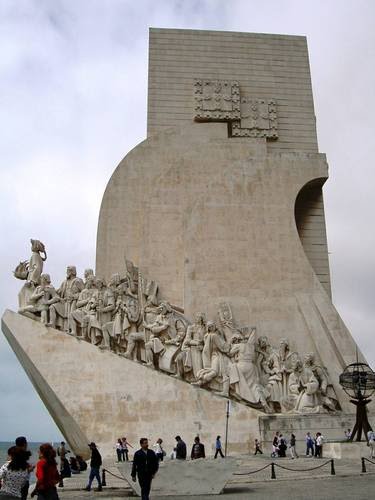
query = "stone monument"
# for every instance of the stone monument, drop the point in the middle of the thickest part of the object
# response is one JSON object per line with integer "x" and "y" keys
{"x": 212, "y": 277}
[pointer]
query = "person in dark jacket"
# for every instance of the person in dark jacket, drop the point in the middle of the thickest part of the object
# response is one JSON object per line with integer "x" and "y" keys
{"x": 180, "y": 449}
{"x": 197, "y": 450}
{"x": 95, "y": 464}
{"x": 145, "y": 466}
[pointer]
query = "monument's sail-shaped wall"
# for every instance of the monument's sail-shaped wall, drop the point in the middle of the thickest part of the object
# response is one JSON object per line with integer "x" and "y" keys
{"x": 218, "y": 212}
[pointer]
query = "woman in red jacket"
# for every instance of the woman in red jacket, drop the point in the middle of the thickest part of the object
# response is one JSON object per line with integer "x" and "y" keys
{"x": 46, "y": 474}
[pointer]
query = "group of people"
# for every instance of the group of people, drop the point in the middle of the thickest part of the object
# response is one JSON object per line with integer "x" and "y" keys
{"x": 15, "y": 473}
{"x": 127, "y": 316}
{"x": 280, "y": 444}
{"x": 122, "y": 449}
{"x": 146, "y": 461}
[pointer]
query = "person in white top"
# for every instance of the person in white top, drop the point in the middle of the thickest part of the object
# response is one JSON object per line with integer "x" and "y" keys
{"x": 371, "y": 443}
{"x": 119, "y": 449}
{"x": 158, "y": 449}
{"x": 319, "y": 445}
{"x": 14, "y": 474}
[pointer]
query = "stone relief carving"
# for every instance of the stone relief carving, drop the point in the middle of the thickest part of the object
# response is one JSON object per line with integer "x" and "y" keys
{"x": 258, "y": 119}
{"x": 220, "y": 100}
{"x": 216, "y": 100}
{"x": 128, "y": 317}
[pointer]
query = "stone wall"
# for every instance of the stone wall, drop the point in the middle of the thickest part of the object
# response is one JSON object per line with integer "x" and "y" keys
{"x": 266, "y": 66}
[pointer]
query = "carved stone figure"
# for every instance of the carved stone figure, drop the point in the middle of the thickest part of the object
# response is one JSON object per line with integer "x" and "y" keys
{"x": 36, "y": 261}
{"x": 314, "y": 381}
{"x": 172, "y": 338}
{"x": 68, "y": 292}
{"x": 279, "y": 366}
{"x": 103, "y": 302}
{"x": 244, "y": 375}
{"x": 189, "y": 360}
{"x": 215, "y": 360}
{"x": 88, "y": 273}
{"x": 154, "y": 346}
{"x": 41, "y": 299}
{"x": 30, "y": 271}
{"x": 78, "y": 318}
{"x": 294, "y": 383}
{"x": 226, "y": 321}
{"x": 263, "y": 350}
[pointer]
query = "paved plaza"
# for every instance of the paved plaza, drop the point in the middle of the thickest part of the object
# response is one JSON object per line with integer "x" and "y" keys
{"x": 349, "y": 482}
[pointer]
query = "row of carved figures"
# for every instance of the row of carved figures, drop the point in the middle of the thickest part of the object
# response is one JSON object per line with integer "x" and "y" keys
{"x": 127, "y": 317}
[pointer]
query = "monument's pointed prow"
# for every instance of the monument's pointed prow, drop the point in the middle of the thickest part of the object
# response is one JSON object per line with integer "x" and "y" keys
{"x": 26, "y": 337}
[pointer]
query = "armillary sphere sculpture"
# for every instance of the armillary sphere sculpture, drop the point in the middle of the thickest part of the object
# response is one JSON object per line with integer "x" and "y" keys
{"x": 358, "y": 381}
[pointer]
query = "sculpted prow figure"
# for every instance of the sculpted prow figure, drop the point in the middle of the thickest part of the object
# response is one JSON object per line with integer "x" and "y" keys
{"x": 31, "y": 271}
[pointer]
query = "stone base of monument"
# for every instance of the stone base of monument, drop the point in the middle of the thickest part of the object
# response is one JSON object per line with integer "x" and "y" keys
{"x": 186, "y": 477}
{"x": 331, "y": 426}
{"x": 346, "y": 449}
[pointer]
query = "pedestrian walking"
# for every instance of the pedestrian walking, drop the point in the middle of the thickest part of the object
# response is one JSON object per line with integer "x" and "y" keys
{"x": 348, "y": 434}
{"x": 218, "y": 447}
{"x": 95, "y": 464}
{"x": 319, "y": 445}
{"x": 309, "y": 445}
{"x": 125, "y": 449}
{"x": 275, "y": 445}
{"x": 118, "y": 447}
{"x": 197, "y": 450}
{"x": 293, "y": 451}
{"x": 46, "y": 474}
{"x": 14, "y": 474}
{"x": 371, "y": 443}
{"x": 145, "y": 466}
{"x": 258, "y": 449}
{"x": 158, "y": 449}
{"x": 180, "y": 449}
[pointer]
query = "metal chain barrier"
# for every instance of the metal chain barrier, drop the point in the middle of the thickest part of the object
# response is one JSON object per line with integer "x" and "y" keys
{"x": 114, "y": 475}
{"x": 364, "y": 460}
{"x": 251, "y": 472}
{"x": 274, "y": 464}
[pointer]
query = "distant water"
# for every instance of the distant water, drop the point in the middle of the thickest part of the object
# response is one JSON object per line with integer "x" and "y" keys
{"x": 33, "y": 447}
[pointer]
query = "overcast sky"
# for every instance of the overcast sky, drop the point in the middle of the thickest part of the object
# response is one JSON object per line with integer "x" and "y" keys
{"x": 73, "y": 90}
